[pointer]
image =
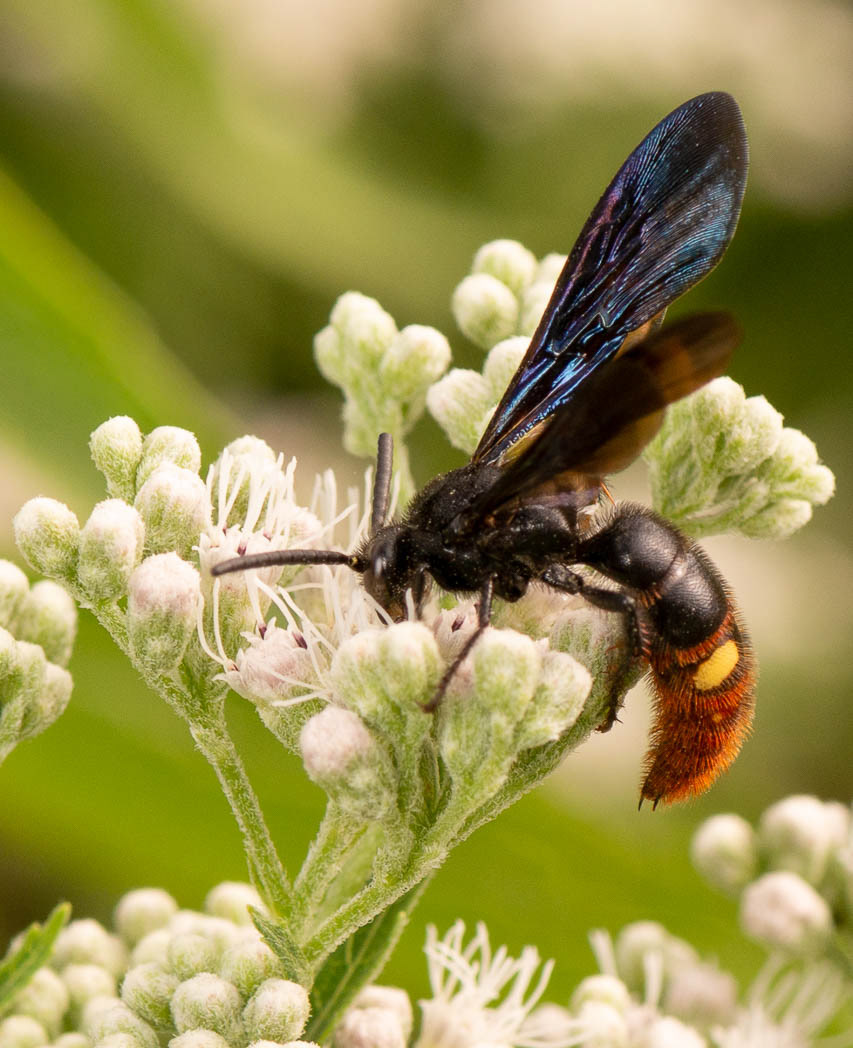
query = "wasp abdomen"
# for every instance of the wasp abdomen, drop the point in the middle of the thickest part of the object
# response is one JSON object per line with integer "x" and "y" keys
{"x": 698, "y": 652}
{"x": 704, "y": 704}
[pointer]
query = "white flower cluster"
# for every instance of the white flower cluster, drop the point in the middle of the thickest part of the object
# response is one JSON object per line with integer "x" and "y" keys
{"x": 793, "y": 874}
{"x": 163, "y": 976}
{"x": 37, "y": 628}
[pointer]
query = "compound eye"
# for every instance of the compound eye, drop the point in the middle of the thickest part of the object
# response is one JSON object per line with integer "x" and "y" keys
{"x": 380, "y": 562}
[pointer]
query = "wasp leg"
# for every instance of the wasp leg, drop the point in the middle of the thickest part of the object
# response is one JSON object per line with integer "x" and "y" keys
{"x": 484, "y": 617}
{"x": 563, "y": 578}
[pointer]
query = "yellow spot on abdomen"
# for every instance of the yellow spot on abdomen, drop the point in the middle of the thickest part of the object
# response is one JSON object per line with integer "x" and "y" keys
{"x": 714, "y": 670}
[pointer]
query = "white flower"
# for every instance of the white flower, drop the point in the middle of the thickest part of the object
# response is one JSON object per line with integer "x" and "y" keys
{"x": 481, "y": 997}
{"x": 783, "y": 911}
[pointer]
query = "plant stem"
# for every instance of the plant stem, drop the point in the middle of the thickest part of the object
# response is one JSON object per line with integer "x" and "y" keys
{"x": 337, "y": 835}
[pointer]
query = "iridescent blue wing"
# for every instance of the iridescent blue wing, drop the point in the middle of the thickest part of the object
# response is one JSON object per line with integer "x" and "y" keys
{"x": 661, "y": 226}
{"x": 619, "y": 413}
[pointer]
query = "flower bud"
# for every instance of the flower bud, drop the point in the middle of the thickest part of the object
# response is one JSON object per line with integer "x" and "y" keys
{"x": 110, "y": 548}
{"x": 14, "y": 587}
{"x": 604, "y": 1026}
{"x": 276, "y": 1011}
{"x": 778, "y": 520}
{"x": 153, "y": 947}
{"x": 507, "y": 260}
{"x": 163, "y": 598}
{"x": 476, "y": 732}
{"x": 199, "y": 1039}
{"x": 105, "y": 1017}
{"x": 44, "y": 998}
{"x": 142, "y": 911}
{"x": 87, "y": 942}
{"x": 345, "y": 760}
{"x": 641, "y": 938}
{"x": 190, "y": 953}
{"x": 417, "y": 356}
{"x": 264, "y": 671}
{"x": 47, "y": 700}
{"x": 370, "y": 1028}
{"x": 702, "y": 995}
{"x": 48, "y": 617}
{"x": 461, "y": 403}
{"x": 168, "y": 444}
{"x": 501, "y": 364}
{"x": 116, "y": 449}
{"x": 667, "y": 1032}
{"x": 231, "y": 900}
{"x": 782, "y": 911}
{"x": 220, "y": 932}
{"x": 72, "y": 1040}
{"x": 47, "y": 534}
{"x": 801, "y": 834}
{"x": 563, "y": 688}
{"x": 485, "y": 309}
{"x": 22, "y": 1031}
{"x": 391, "y": 999}
{"x": 725, "y": 851}
{"x": 207, "y": 1002}
{"x": 175, "y": 507}
{"x": 148, "y": 989}
{"x": 248, "y": 963}
{"x": 604, "y": 988}
{"x": 85, "y": 982}
{"x": 353, "y": 344}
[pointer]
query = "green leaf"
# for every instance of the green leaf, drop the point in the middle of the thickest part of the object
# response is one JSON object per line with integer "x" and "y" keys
{"x": 17, "y": 969}
{"x": 357, "y": 962}
{"x": 283, "y": 945}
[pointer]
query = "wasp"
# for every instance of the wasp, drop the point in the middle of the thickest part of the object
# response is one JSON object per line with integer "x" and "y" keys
{"x": 588, "y": 395}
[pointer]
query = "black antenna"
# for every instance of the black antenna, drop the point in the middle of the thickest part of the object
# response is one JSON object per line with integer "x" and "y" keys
{"x": 382, "y": 482}
{"x": 277, "y": 557}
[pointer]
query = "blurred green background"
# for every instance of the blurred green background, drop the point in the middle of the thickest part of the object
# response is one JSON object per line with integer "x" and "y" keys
{"x": 185, "y": 188}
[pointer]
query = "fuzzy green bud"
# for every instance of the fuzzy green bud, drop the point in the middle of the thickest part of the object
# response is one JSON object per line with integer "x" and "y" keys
{"x": 190, "y": 953}
{"x": 208, "y": 1002}
{"x": 22, "y": 1031}
{"x": 485, "y": 309}
{"x": 152, "y": 947}
{"x": 487, "y": 698}
{"x": 231, "y": 900}
{"x": 604, "y": 988}
{"x": 199, "y": 1039}
{"x": 163, "y": 598}
{"x": 105, "y": 1017}
{"x": 344, "y": 759}
{"x": 537, "y": 294}
{"x": 148, "y": 989}
{"x": 563, "y": 688}
{"x": 358, "y": 334}
{"x": 14, "y": 587}
{"x": 168, "y": 444}
{"x": 45, "y": 998}
{"x": 276, "y": 1011}
{"x": 417, "y": 356}
{"x": 110, "y": 548}
{"x": 725, "y": 851}
{"x": 47, "y": 534}
{"x": 248, "y": 963}
{"x": 174, "y": 504}
{"x": 370, "y": 1028}
{"x": 84, "y": 982}
{"x": 461, "y": 403}
{"x": 72, "y": 1040}
{"x": 142, "y": 911}
{"x": 782, "y": 911}
{"x": 802, "y": 834}
{"x": 509, "y": 261}
{"x": 48, "y": 617}
{"x": 116, "y": 450}
{"x": 85, "y": 941}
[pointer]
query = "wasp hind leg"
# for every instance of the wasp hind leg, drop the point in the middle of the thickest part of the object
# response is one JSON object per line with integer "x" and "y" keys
{"x": 620, "y": 602}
